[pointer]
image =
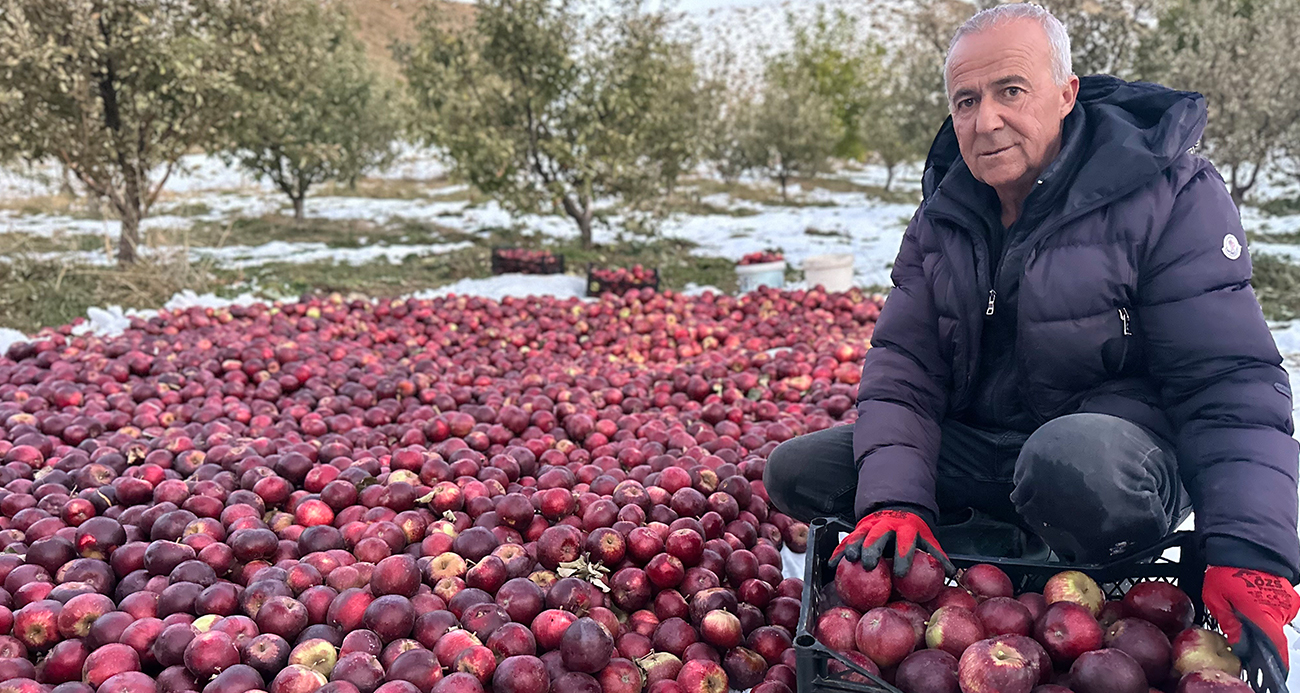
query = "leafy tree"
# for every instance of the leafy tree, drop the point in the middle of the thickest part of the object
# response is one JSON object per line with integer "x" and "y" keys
{"x": 118, "y": 90}
{"x": 1241, "y": 54}
{"x": 832, "y": 57}
{"x": 310, "y": 107}
{"x": 797, "y": 127}
{"x": 1106, "y": 35}
{"x": 731, "y": 144}
{"x": 547, "y": 107}
{"x": 910, "y": 108}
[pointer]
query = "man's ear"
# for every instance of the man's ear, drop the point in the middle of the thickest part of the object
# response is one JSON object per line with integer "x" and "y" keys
{"x": 1069, "y": 93}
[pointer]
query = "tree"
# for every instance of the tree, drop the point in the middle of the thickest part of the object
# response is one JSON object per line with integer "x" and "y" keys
{"x": 798, "y": 128}
{"x": 546, "y": 107}
{"x": 1241, "y": 54}
{"x": 118, "y": 90}
{"x": 310, "y": 107}
{"x": 1106, "y": 35}
{"x": 831, "y": 57}
{"x": 910, "y": 108}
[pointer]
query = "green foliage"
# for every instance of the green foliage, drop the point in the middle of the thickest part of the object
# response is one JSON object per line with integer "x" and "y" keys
{"x": 799, "y": 129}
{"x": 118, "y": 90}
{"x": 1106, "y": 36}
{"x": 1241, "y": 54}
{"x": 310, "y": 108}
{"x": 546, "y": 107}
{"x": 910, "y": 108}
{"x": 832, "y": 58}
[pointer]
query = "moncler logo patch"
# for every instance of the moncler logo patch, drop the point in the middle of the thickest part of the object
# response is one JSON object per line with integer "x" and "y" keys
{"x": 1231, "y": 247}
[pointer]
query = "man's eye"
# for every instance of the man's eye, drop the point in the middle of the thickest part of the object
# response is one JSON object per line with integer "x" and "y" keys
{"x": 964, "y": 103}
{"x": 1014, "y": 91}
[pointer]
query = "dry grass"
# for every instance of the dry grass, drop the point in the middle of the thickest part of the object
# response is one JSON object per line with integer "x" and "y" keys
{"x": 36, "y": 292}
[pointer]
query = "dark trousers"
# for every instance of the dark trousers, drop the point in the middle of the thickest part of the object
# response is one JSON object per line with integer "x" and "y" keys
{"x": 1089, "y": 486}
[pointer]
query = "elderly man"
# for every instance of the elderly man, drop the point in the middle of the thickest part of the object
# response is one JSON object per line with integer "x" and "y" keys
{"x": 1072, "y": 353}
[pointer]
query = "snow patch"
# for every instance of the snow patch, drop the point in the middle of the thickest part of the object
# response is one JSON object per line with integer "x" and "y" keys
{"x": 9, "y": 337}
{"x": 496, "y": 288}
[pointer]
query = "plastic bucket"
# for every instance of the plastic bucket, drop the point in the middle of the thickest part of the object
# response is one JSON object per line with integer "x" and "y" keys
{"x": 750, "y": 277}
{"x": 833, "y": 272}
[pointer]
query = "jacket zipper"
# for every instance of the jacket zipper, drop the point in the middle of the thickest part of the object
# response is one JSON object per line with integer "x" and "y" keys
{"x": 993, "y": 297}
{"x": 1123, "y": 316}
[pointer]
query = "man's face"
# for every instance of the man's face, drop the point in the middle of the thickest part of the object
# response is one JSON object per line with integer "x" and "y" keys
{"x": 1005, "y": 108}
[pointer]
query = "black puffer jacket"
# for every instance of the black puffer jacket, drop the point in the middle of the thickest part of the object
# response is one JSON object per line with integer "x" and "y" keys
{"x": 1133, "y": 299}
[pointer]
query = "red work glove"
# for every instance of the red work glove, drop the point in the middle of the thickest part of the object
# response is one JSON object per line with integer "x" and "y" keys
{"x": 876, "y": 532}
{"x": 1236, "y": 594}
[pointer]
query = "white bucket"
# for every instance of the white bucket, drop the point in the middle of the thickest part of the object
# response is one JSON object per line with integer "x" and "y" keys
{"x": 750, "y": 277}
{"x": 833, "y": 272}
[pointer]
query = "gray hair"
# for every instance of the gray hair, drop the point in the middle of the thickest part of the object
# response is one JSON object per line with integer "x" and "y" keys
{"x": 1057, "y": 38}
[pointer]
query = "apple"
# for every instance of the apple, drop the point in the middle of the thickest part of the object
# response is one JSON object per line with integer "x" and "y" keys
{"x": 1002, "y": 615}
{"x": 863, "y": 589}
{"x": 1074, "y": 586}
{"x": 928, "y": 671}
{"x": 985, "y": 581}
{"x": 1145, "y": 643}
{"x": 1067, "y": 630}
{"x": 1161, "y": 603}
{"x": 1212, "y": 681}
{"x": 1197, "y": 648}
{"x": 994, "y": 666}
{"x": 923, "y": 581}
{"x": 837, "y": 628}
{"x": 953, "y": 629}
{"x": 885, "y": 635}
{"x": 1107, "y": 671}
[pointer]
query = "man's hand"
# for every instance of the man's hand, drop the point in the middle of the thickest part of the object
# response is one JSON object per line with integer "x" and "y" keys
{"x": 1236, "y": 594}
{"x": 873, "y": 536}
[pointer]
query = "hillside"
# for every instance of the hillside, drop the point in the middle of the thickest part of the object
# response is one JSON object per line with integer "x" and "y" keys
{"x": 380, "y": 23}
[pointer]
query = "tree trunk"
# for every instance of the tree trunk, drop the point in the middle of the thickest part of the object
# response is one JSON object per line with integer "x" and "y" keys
{"x": 784, "y": 178}
{"x": 584, "y": 227}
{"x": 889, "y": 176}
{"x": 298, "y": 214}
{"x": 130, "y": 238}
{"x": 581, "y": 212}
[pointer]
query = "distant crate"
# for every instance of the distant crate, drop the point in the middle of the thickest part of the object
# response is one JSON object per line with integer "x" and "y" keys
{"x": 525, "y": 261}
{"x": 620, "y": 280}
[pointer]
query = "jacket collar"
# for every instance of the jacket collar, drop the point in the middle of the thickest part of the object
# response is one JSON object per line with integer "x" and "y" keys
{"x": 1118, "y": 136}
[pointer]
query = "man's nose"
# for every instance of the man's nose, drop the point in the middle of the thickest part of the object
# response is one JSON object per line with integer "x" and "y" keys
{"x": 988, "y": 117}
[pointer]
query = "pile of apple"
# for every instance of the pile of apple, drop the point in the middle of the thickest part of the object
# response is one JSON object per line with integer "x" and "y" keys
{"x": 761, "y": 257}
{"x": 420, "y": 496}
{"x": 978, "y": 636}
{"x": 621, "y": 280}
{"x": 526, "y": 261}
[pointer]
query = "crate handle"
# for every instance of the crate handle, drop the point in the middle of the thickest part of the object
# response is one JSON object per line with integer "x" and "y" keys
{"x": 1258, "y": 652}
{"x": 812, "y": 643}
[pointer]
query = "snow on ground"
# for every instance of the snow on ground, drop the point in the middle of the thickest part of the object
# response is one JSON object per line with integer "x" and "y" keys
{"x": 500, "y": 286}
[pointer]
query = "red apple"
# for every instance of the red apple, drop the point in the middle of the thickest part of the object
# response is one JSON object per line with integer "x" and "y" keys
{"x": 1074, "y": 586}
{"x": 1066, "y": 631}
{"x": 994, "y": 666}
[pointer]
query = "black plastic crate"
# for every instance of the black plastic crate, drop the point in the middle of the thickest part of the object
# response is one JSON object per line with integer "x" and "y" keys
{"x": 545, "y": 264}
{"x": 596, "y": 287}
{"x": 1263, "y": 671}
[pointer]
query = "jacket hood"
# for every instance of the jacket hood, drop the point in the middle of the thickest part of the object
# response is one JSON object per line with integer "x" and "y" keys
{"x": 1132, "y": 132}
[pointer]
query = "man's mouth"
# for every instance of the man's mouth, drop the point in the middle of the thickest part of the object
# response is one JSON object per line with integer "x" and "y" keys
{"x": 997, "y": 151}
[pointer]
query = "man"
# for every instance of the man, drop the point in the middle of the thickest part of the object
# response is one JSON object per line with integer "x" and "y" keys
{"x": 1072, "y": 350}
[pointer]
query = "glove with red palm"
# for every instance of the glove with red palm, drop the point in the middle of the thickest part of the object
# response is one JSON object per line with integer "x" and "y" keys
{"x": 876, "y": 533}
{"x": 1236, "y": 595}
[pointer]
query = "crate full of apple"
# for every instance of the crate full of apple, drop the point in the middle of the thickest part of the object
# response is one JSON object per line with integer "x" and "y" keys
{"x": 1033, "y": 628}
{"x": 620, "y": 280}
{"x": 526, "y": 261}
